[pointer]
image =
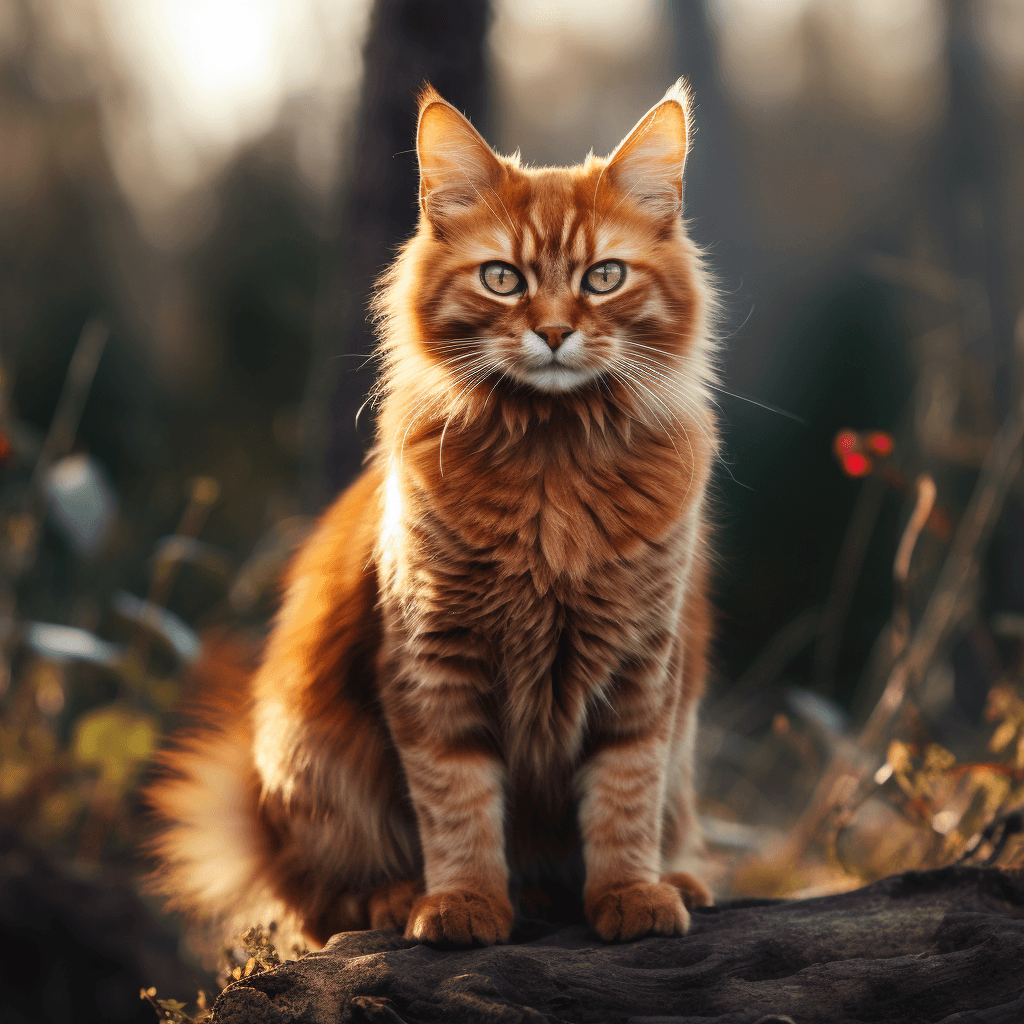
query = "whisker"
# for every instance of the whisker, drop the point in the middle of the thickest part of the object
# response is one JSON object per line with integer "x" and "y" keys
{"x": 761, "y": 405}
{"x": 412, "y": 422}
{"x": 694, "y": 409}
{"x": 685, "y": 399}
{"x": 466, "y": 373}
{"x": 686, "y": 438}
{"x": 501, "y": 376}
{"x": 474, "y": 378}
{"x": 359, "y": 411}
{"x": 768, "y": 407}
{"x": 733, "y": 333}
{"x": 471, "y": 356}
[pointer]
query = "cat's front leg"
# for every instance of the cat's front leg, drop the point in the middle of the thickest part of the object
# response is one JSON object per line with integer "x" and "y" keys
{"x": 458, "y": 792}
{"x": 622, "y": 787}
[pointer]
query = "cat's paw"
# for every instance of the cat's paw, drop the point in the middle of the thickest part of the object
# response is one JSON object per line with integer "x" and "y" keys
{"x": 694, "y": 893}
{"x": 390, "y": 904}
{"x": 460, "y": 917}
{"x": 623, "y": 912}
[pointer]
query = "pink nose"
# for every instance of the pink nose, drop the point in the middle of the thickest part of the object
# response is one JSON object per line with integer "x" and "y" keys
{"x": 554, "y": 336}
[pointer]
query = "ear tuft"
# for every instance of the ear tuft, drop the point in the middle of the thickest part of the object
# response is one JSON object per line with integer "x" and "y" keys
{"x": 648, "y": 164}
{"x": 427, "y": 95}
{"x": 456, "y": 164}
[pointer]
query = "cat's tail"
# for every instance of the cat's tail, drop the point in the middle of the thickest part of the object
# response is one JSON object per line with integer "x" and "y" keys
{"x": 211, "y": 847}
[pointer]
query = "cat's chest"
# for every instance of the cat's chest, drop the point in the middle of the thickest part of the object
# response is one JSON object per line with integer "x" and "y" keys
{"x": 545, "y": 549}
{"x": 560, "y": 638}
{"x": 579, "y": 625}
{"x": 560, "y": 522}
{"x": 561, "y": 656}
{"x": 547, "y": 599}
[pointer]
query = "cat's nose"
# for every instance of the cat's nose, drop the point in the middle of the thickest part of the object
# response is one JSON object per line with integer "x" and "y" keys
{"x": 554, "y": 336}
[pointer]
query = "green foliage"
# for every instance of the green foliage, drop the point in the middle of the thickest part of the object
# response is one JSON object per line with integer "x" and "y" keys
{"x": 115, "y": 741}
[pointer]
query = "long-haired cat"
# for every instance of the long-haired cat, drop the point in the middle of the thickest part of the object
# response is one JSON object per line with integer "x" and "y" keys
{"x": 485, "y": 669}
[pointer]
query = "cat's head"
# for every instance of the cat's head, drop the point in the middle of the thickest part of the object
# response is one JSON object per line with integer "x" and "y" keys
{"x": 557, "y": 279}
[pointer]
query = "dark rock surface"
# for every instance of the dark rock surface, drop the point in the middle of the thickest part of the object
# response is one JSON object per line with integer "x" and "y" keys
{"x": 935, "y": 946}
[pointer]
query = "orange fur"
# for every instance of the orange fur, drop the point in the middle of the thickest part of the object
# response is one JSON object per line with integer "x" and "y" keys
{"x": 486, "y": 666}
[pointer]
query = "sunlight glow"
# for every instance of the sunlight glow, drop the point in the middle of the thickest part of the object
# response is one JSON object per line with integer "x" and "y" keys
{"x": 392, "y": 510}
{"x": 209, "y": 75}
{"x": 216, "y": 65}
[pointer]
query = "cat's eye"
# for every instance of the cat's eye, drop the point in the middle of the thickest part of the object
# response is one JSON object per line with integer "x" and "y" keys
{"x": 604, "y": 277}
{"x": 501, "y": 278}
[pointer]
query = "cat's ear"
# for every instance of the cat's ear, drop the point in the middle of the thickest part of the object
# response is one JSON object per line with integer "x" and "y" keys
{"x": 648, "y": 163}
{"x": 456, "y": 165}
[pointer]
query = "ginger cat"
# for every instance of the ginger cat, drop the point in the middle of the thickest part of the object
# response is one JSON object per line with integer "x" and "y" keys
{"x": 486, "y": 666}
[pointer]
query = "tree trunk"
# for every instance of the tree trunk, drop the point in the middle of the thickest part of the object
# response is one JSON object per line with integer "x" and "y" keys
{"x": 409, "y": 42}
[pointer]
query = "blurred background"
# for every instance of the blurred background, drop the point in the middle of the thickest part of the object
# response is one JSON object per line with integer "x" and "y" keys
{"x": 195, "y": 197}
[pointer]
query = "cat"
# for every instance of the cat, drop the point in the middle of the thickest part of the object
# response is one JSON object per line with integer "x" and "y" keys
{"x": 486, "y": 666}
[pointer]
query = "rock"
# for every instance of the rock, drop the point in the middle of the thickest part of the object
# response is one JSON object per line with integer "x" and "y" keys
{"x": 925, "y": 946}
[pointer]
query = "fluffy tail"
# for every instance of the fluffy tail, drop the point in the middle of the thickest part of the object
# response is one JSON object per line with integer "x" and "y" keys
{"x": 212, "y": 850}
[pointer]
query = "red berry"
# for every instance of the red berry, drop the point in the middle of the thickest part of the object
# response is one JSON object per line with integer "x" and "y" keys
{"x": 846, "y": 441}
{"x": 880, "y": 443}
{"x": 856, "y": 464}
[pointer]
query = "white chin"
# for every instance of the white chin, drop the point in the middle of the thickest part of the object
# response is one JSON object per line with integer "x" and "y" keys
{"x": 555, "y": 377}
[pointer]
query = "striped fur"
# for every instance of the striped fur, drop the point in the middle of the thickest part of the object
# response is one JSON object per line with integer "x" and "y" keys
{"x": 487, "y": 663}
